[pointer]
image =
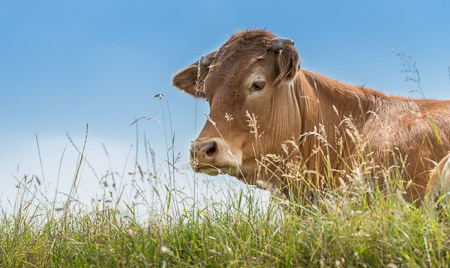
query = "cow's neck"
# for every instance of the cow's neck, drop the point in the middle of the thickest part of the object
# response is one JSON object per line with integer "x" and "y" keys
{"x": 332, "y": 97}
{"x": 324, "y": 103}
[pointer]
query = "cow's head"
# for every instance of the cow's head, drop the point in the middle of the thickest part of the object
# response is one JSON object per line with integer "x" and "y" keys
{"x": 249, "y": 84}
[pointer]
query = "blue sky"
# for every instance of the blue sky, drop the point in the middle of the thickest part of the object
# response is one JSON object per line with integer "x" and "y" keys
{"x": 64, "y": 64}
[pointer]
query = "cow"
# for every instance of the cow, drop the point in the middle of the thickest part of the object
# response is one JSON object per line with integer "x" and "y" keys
{"x": 267, "y": 114}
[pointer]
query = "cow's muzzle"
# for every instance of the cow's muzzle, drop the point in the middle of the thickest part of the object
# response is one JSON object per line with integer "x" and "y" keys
{"x": 212, "y": 156}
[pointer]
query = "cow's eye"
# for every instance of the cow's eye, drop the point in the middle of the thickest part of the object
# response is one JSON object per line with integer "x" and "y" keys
{"x": 256, "y": 86}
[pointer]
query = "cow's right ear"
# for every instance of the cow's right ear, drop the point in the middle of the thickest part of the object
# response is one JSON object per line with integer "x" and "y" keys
{"x": 190, "y": 80}
{"x": 288, "y": 60}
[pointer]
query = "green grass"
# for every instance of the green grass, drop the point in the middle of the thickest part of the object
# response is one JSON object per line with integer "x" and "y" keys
{"x": 345, "y": 228}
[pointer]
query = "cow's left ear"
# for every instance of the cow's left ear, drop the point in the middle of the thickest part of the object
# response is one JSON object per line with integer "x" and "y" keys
{"x": 288, "y": 60}
{"x": 191, "y": 78}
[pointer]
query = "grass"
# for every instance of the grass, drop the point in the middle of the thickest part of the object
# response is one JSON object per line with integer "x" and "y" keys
{"x": 385, "y": 233}
{"x": 351, "y": 226}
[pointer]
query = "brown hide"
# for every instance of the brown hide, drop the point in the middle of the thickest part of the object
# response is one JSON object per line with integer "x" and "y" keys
{"x": 260, "y": 100}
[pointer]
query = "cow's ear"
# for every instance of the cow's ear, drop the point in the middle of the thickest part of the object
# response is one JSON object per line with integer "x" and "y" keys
{"x": 190, "y": 80}
{"x": 288, "y": 63}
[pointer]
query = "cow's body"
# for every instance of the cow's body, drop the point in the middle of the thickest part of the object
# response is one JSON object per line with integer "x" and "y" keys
{"x": 393, "y": 131}
{"x": 260, "y": 99}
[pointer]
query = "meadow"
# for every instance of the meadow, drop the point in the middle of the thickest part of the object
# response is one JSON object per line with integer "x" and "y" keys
{"x": 351, "y": 227}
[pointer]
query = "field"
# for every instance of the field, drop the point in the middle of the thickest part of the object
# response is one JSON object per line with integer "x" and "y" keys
{"x": 357, "y": 224}
{"x": 339, "y": 230}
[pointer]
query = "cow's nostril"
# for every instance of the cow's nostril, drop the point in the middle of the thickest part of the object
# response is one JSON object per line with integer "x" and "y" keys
{"x": 212, "y": 149}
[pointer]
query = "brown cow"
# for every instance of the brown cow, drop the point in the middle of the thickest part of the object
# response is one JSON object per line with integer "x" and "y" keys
{"x": 255, "y": 80}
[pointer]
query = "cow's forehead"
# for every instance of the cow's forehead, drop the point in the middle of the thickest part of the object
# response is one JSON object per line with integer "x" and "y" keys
{"x": 236, "y": 57}
{"x": 245, "y": 44}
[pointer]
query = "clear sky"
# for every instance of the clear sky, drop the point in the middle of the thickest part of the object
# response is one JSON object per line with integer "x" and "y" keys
{"x": 64, "y": 64}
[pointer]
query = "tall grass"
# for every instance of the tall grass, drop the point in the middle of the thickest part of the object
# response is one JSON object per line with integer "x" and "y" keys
{"x": 351, "y": 226}
{"x": 356, "y": 224}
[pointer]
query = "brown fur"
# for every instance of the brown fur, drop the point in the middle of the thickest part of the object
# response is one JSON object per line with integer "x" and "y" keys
{"x": 296, "y": 104}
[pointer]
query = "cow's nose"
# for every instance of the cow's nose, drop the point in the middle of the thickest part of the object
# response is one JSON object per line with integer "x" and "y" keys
{"x": 204, "y": 151}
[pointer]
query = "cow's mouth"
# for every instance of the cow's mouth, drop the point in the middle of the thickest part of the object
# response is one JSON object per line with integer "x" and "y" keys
{"x": 213, "y": 156}
{"x": 214, "y": 170}
{"x": 211, "y": 170}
